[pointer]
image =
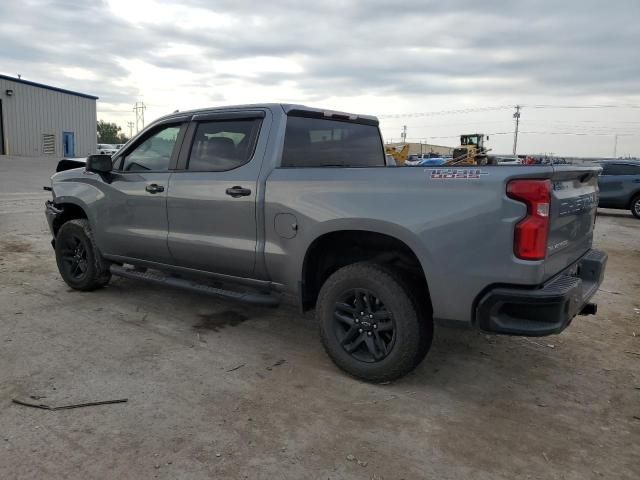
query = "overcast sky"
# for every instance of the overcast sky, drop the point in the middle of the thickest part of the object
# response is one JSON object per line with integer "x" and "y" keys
{"x": 373, "y": 57}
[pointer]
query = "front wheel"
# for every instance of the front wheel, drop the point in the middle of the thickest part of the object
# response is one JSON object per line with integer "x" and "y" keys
{"x": 80, "y": 264}
{"x": 635, "y": 206}
{"x": 370, "y": 323}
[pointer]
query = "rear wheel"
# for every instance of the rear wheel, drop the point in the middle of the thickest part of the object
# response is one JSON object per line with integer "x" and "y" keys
{"x": 80, "y": 264}
{"x": 635, "y": 206}
{"x": 370, "y": 324}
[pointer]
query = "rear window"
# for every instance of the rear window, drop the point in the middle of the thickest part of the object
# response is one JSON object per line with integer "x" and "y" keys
{"x": 316, "y": 142}
{"x": 620, "y": 169}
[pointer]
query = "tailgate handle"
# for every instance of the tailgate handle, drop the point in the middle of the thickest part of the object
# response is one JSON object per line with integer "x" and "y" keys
{"x": 586, "y": 177}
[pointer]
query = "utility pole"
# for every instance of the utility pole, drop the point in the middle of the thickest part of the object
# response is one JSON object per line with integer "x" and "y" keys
{"x": 516, "y": 115}
{"x": 404, "y": 134}
{"x": 139, "y": 109}
{"x": 615, "y": 146}
{"x": 130, "y": 125}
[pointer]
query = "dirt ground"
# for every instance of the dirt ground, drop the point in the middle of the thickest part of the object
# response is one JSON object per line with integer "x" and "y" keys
{"x": 221, "y": 390}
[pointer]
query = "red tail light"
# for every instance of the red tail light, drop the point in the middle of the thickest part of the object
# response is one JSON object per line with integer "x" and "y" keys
{"x": 531, "y": 232}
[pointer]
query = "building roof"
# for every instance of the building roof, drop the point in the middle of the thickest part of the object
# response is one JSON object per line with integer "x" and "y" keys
{"x": 46, "y": 87}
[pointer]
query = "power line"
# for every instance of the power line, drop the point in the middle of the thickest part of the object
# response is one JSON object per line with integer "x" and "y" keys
{"x": 584, "y": 106}
{"x": 443, "y": 112}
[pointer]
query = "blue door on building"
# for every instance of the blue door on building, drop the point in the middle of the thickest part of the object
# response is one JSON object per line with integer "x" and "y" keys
{"x": 68, "y": 144}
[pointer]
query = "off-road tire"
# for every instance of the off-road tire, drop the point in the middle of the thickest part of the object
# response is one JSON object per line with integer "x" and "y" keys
{"x": 635, "y": 206}
{"x": 412, "y": 321}
{"x": 96, "y": 269}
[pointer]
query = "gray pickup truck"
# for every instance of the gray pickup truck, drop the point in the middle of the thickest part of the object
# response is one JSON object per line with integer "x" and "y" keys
{"x": 284, "y": 203}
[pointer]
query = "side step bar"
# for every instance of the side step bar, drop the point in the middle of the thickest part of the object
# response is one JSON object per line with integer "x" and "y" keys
{"x": 255, "y": 298}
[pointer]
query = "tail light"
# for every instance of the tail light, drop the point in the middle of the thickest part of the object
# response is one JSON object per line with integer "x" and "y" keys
{"x": 530, "y": 240}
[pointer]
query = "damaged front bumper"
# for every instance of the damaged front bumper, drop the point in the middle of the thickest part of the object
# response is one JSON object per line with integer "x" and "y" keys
{"x": 52, "y": 213}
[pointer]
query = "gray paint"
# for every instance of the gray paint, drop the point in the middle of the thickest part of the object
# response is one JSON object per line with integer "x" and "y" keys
{"x": 460, "y": 230}
{"x": 33, "y": 110}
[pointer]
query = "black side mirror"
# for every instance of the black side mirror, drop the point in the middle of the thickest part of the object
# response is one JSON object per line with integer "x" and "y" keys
{"x": 100, "y": 164}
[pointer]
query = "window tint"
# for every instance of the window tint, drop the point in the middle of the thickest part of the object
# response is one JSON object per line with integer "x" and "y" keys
{"x": 223, "y": 145}
{"x": 154, "y": 153}
{"x": 316, "y": 142}
{"x": 620, "y": 169}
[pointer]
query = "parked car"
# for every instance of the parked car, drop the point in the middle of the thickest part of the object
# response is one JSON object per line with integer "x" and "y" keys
{"x": 619, "y": 185}
{"x": 285, "y": 203}
{"x": 106, "y": 149}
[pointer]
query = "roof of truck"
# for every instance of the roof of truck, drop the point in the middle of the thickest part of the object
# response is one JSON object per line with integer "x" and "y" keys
{"x": 286, "y": 107}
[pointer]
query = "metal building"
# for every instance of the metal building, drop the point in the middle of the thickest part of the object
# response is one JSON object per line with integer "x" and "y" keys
{"x": 37, "y": 119}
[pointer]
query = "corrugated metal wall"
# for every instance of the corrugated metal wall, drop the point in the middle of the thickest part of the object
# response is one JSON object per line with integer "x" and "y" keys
{"x": 32, "y": 112}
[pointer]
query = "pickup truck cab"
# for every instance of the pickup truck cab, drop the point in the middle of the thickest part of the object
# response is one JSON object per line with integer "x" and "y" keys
{"x": 270, "y": 203}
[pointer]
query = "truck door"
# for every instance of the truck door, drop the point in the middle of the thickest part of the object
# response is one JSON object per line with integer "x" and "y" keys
{"x": 212, "y": 196}
{"x": 133, "y": 222}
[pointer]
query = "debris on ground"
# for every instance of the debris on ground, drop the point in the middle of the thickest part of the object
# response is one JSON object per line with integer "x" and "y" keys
{"x": 351, "y": 458}
{"x": 276, "y": 364}
{"x": 236, "y": 368}
{"x": 42, "y": 406}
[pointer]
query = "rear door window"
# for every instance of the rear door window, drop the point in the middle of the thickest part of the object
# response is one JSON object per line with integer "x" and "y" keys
{"x": 316, "y": 142}
{"x": 223, "y": 145}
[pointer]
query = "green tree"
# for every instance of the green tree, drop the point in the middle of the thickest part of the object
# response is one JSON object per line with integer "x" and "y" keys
{"x": 108, "y": 132}
{"x": 122, "y": 138}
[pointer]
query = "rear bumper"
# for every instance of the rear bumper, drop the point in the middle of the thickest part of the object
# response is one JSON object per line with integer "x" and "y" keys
{"x": 546, "y": 309}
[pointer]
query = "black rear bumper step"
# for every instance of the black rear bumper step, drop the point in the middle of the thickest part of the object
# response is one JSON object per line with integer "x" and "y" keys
{"x": 547, "y": 309}
{"x": 255, "y": 298}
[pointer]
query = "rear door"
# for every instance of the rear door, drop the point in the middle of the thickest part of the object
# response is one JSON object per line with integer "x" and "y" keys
{"x": 211, "y": 205}
{"x": 574, "y": 200}
{"x": 133, "y": 220}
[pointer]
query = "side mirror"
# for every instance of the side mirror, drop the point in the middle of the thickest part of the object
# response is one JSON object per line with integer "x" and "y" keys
{"x": 100, "y": 164}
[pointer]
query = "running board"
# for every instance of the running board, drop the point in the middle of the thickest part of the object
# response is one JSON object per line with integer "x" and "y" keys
{"x": 256, "y": 298}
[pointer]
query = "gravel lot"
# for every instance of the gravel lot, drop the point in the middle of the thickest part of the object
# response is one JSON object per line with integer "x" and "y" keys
{"x": 221, "y": 390}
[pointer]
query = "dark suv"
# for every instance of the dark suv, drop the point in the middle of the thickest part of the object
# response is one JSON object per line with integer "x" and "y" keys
{"x": 619, "y": 185}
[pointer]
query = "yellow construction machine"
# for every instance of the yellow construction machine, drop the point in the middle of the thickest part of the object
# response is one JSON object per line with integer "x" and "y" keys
{"x": 399, "y": 153}
{"x": 471, "y": 150}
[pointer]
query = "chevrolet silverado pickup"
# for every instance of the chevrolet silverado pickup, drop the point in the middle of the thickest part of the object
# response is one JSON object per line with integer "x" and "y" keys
{"x": 280, "y": 203}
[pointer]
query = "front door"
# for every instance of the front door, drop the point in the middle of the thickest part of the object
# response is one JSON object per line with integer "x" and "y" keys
{"x": 212, "y": 200}
{"x": 133, "y": 222}
{"x": 68, "y": 144}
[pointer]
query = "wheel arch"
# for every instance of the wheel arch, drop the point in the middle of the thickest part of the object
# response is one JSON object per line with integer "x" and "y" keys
{"x": 71, "y": 210}
{"x": 336, "y": 248}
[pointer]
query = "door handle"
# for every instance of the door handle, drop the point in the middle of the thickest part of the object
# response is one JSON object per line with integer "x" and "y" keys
{"x": 238, "y": 191}
{"x": 154, "y": 188}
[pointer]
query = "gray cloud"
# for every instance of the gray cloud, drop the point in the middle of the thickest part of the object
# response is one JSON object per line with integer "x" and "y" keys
{"x": 416, "y": 47}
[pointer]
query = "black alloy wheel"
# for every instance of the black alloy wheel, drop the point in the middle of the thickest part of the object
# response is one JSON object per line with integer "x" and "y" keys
{"x": 364, "y": 326}
{"x": 73, "y": 256}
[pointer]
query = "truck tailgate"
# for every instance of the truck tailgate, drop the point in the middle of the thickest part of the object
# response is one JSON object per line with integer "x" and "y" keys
{"x": 574, "y": 199}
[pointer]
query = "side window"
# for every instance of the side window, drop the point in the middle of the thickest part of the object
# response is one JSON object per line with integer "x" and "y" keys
{"x": 223, "y": 145}
{"x": 154, "y": 153}
{"x": 317, "y": 142}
